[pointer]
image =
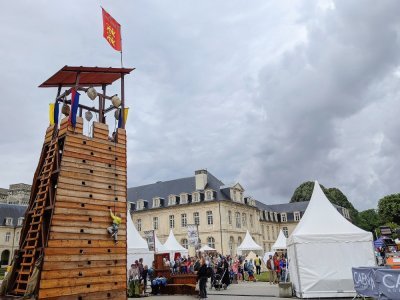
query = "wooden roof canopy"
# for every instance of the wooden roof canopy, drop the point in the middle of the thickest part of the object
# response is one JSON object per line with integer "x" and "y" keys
{"x": 88, "y": 76}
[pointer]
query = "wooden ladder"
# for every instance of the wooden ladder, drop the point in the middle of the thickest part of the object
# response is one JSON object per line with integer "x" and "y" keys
{"x": 33, "y": 244}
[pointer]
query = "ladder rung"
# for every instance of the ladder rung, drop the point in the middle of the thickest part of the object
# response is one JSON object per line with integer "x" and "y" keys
{"x": 19, "y": 291}
{"x": 26, "y": 264}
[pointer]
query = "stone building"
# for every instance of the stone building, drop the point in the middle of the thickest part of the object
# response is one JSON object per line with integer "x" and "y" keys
{"x": 18, "y": 193}
{"x": 11, "y": 219}
{"x": 223, "y": 213}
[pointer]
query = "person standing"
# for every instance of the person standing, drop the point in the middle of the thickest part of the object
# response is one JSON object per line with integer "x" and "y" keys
{"x": 282, "y": 267}
{"x": 271, "y": 271}
{"x": 276, "y": 267}
{"x": 257, "y": 263}
{"x": 202, "y": 278}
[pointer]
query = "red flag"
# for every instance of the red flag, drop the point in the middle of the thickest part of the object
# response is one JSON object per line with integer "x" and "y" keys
{"x": 112, "y": 31}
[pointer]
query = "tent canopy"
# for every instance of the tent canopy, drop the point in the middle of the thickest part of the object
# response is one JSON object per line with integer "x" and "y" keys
{"x": 159, "y": 247}
{"x": 134, "y": 239}
{"x": 321, "y": 221}
{"x": 323, "y": 248}
{"x": 172, "y": 245}
{"x": 280, "y": 242}
{"x": 249, "y": 244}
{"x": 206, "y": 248}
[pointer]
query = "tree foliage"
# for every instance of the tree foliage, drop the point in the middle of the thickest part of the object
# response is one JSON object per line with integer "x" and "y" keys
{"x": 304, "y": 192}
{"x": 369, "y": 220}
{"x": 389, "y": 208}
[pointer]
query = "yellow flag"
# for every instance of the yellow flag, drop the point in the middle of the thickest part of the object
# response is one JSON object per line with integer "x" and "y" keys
{"x": 126, "y": 111}
{"x": 51, "y": 113}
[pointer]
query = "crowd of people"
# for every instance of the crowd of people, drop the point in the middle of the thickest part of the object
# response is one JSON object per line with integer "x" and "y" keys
{"x": 277, "y": 268}
{"x": 221, "y": 270}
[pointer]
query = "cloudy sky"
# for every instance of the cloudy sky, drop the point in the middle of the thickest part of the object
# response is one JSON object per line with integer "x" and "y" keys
{"x": 266, "y": 93}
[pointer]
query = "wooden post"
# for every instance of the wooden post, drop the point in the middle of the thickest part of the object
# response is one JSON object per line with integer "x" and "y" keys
{"x": 123, "y": 100}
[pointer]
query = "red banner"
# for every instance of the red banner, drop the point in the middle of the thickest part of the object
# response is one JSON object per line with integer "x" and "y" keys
{"x": 112, "y": 31}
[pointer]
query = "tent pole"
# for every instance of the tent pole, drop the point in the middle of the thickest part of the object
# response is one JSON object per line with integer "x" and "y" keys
{"x": 298, "y": 271}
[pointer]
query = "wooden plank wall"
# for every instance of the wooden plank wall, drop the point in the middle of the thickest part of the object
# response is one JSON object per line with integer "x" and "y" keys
{"x": 81, "y": 260}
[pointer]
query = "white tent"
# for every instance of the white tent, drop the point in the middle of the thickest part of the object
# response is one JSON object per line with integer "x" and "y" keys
{"x": 206, "y": 248}
{"x": 248, "y": 244}
{"x": 280, "y": 242}
{"x": 172, "y": 246}
{"x": 137, "y": 246}
{"x": 323, "y": 248}
{"x": 159, "y": 247}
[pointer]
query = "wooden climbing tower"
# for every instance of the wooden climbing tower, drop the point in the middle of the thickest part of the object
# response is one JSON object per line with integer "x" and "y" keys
{"x": 65, "y": 249}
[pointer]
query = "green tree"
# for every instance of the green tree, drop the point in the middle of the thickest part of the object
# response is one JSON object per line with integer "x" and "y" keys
{"x": 304, "y": 191}
{"x": 389, "y": 208}
{"x": 369, "y": 220}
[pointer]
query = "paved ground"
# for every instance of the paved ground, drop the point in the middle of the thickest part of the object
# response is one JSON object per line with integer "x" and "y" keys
{"x": 246, "y": 290}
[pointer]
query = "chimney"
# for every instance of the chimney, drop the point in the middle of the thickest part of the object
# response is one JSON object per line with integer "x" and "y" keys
{"x": 201, "y": 179}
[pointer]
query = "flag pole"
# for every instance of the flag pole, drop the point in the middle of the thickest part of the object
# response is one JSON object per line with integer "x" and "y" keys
{"x": 122, "y": 65}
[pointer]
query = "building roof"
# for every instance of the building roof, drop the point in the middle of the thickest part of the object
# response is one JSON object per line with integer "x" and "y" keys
{"x": 3, "y": 191}
{"x": 163, "y": 189}
{"x": 11, "y": 211}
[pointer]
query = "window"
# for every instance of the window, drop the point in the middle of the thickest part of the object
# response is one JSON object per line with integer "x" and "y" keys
{"x": 209, "y": 195}
{"x": 239, "y": 241}
{"x": 238, "y": 220}
{"x": 155, "y": 223}
{"x": 241, "y": 197}
{"x": 183, "y": 220}
{"x": 230, "y": 217}
{"x": 210, "y": 220}
{"x": 196, "y": 197}
{"x": 276, "y": 217}
{"x": 283, "y": 217}
{"x": 171, "y": 221}
{"x": 7, "y": 238}
{"x": 156, "y": 202}
{"x": 285, "y": 231}
{"x": 139, "y": 204}
{"x": 231, "y": 242}
{"x": 171, "y": 200}
{"x": 20, "y": 221}
{"x": 273, "y": 232}
{"x": 9, "y": 221}
{"x": 139, "y": 224}
{"x": 263, "y": 231}
{"x": 297, "y": 216}
{"x": 183, "y": 198}
{"x": 244, "y": 220}
{"x": 196, "y": 218}
{"x": 269, "y": 237}
{"x": 251, "y": 221}
{"x": 184, "y": 243}
{"x": 271, "y": 216}
{"x": 266, "y": 216}
{"x": 17, "y": 236}
{"x": 211, "y": 242}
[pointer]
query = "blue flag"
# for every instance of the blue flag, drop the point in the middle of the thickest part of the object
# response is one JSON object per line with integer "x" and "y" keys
{"x": 56, "y": 111}
{"x": 74, "y": 107}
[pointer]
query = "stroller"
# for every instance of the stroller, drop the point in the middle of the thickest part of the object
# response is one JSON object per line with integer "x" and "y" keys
{"x": 217, "y": 279}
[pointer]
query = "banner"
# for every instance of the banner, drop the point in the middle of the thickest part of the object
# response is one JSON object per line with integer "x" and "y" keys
{"x": 193, "y": 237}
{"x": 111, "y": 31}
{"x": 379, "y": 283}
{"x": 51, "y": 113}
{"x": 364, "y": 281}
{"x": 149, "y": 235}
{"x": 389, "y": 283}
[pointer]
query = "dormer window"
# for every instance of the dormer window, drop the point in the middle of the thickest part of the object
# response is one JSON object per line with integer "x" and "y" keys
{"x": 184, "y": 198}
{"x": 141, "y": 204}
{"x": 283, "y": 217}
{"x": 196, "y": 197}
{"x": 9, "y": 221}
{"x": 266, "y": 215}
{"x": 296, "y": 215}
{"x": 209, "y": 195}
{"x": 276, "y": 216}
{"x": 20, "y": 221}
{"x": 172, "y": 200}
{"x": 271, "y": 216}
{"x": 156, "y": 202}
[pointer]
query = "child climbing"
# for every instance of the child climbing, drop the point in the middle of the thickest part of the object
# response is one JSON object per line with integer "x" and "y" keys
{"x": 113, "y": 229}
